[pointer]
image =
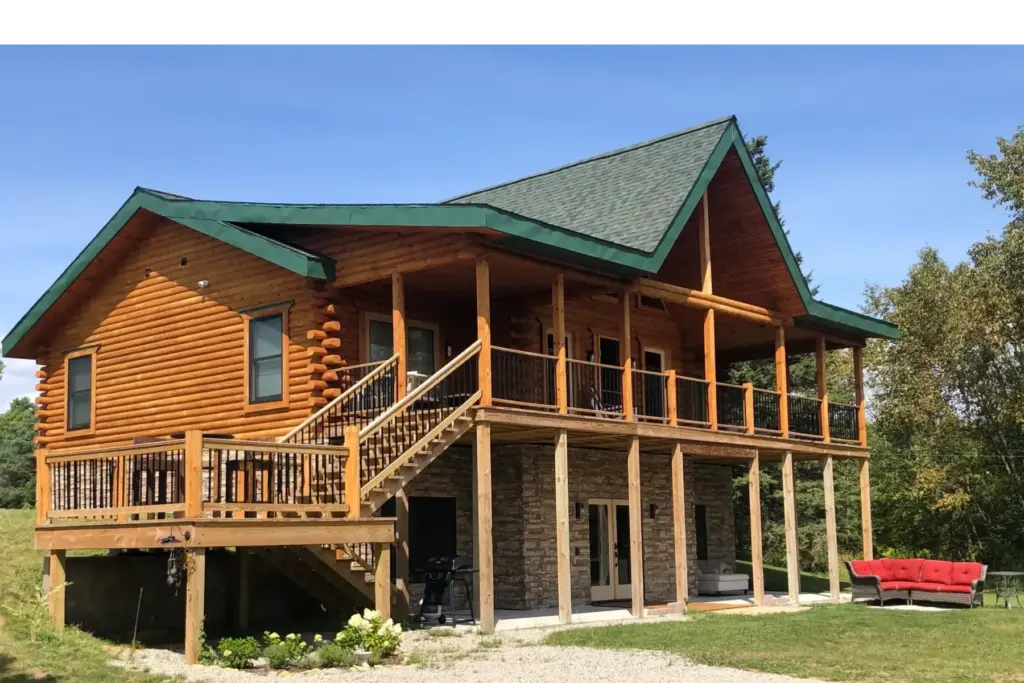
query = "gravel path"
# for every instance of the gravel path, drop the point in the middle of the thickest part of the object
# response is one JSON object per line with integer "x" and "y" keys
{"x": 509, "y": 658}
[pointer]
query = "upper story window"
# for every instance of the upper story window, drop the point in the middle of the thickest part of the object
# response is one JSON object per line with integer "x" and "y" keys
{"x": 80, "y": 401}
{"x": 266, "y": 374}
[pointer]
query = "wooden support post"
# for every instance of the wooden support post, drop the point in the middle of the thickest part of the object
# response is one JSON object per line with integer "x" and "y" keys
{"x": 382, "y": 579}
{"x": 483, "y": 329}
{"x": 823, "y": 390}
{"x": 865, "y": 510}
{"x": 710, "y": 365}
{"x": 558, "y": 323}
{"x": 43, "y": 490}
{"x": 679, "y": 522}
{"x": 562, "y": 527}
{"x": 781, "y": 381}
{"x": 398, "y": 339}
{"x": 244, "y": 565}
{"x": 789, "y": 509}
{"x": 195, "y": 598}
{"x": 57, "y": 591}
{"x": 858, "y": 378}
{"x": 626, "y": 359}
{"x": 193, "y": 474}
{"x": 830, "y": 527}
{"x": 484, "y": 531}
{"x": 748, "y": 407}
{"x": 636, "y": 541}
{"x": 756, "y": 559}
{"x": 671, "y": 397}
{"x": 402, "y": 555}
{"x": 120, "y": 487}
{"x": 353, "y": 494}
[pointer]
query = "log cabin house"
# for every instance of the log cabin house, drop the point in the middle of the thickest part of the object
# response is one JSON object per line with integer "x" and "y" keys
{"x": 530, "y": 374}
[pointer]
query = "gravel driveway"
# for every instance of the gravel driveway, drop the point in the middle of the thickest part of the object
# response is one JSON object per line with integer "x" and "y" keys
{"x": 508, "y": 658}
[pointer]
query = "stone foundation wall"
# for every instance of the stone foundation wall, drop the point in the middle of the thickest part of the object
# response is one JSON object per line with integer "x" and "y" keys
{"x": 525, "y": 563}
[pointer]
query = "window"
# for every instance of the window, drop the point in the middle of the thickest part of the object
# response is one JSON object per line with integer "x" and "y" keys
{"x": 650, "y": 302}
{"x": 266, "y": 349}
{"x": 420, "y": 338}
{"x": 80, "y": 406}
{"x": 700, "y": 522}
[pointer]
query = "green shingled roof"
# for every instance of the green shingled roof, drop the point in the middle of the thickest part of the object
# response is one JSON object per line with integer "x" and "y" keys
{"x": 628, "y": 197}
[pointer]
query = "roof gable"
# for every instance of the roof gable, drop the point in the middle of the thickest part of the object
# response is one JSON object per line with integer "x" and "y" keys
{"x": 628, "y": 197}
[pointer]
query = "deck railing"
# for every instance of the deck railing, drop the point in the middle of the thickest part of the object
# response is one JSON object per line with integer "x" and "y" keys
{"x": 198, "y": 476}
{"x": 692, "y": 401}
{"x": 594, "y": 389}
{"x": 804, "y": 416}
{"x": 650, "y": 396}
{"x": 523, "y": 378}
{"x": 766, "y": 411}
{"x": 842, "y": 422}
{"x": 730, "y": 406}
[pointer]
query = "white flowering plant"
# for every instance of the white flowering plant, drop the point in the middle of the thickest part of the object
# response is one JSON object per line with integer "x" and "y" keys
{"x": 368, "y": 631}
{"x": 281, "y": 653}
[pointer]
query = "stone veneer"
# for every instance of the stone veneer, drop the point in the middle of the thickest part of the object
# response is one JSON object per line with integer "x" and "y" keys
{"x": 524, "y": 517}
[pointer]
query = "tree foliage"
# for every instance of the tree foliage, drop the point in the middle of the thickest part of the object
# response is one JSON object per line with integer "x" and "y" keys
{"x": 948, "y": 398}
{"x": 17, "y": 467}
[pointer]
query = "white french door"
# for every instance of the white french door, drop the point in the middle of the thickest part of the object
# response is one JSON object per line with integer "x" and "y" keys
{"x": 609, "y": 549}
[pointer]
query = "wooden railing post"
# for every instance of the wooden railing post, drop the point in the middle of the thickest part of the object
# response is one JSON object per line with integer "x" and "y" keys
{"x": 483, "y": 329}
{"x": 748, "y": 407}
{"x": 823, "y": 390}
{"x": 353, "y": 497}
{"x": 671, "y": 398}
{"x": 43, "y": 492}
{"x": 626, "y": 359}
{"x": 193, "y": 474}
{"x": 781, "y": 383}
{"x": 558, "y": 324}
{"x": 858, "y": 377}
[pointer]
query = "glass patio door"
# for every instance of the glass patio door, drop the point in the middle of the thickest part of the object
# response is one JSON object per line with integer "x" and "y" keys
{"x": 610, "y": 575}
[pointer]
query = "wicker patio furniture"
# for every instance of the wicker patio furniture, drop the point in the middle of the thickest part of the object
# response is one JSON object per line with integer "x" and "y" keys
{"x": 918, "y": 580}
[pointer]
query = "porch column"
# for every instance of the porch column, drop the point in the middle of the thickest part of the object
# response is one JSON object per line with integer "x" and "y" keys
{"x": 710, "y": 366}
{"x": 483, "y": 333}
{"x": 865, "y": 510}
{"x": 562, "y": 527}
{"x": 485, "y": 549}
{"x": 679, "y": 522}
{"x": 782, "y": 381}
{"x": 830, "y": 528}
{"x": 398, "y": 341}
{"x": 558, "y": 323}
{"x": 402, "y": 554}
{"x": 382, "y": 579}
{"x": 636, "y": 542}
{"x": 57, "y": 589}
{"x": 858, "y": 379}
{"x": 626, "y": 359}
{"x": 792, "y": 550}
{"x": 756, "y": 561}
{"x": 823, "y": 390}
{"x": 195, "y": 598}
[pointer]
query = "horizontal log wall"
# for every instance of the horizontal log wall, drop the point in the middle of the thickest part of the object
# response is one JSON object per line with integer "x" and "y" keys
{"x": 171, "y": 354}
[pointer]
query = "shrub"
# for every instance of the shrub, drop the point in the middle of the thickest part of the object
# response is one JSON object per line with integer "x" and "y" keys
{"x": 281, "y": 654}
{"x": 369, "y": 632}
{"x": 238, "y": 653}
{"x": 336, "y": 656}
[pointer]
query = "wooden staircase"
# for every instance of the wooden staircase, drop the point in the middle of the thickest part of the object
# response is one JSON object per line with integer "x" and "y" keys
{"x": 398, "y": 443}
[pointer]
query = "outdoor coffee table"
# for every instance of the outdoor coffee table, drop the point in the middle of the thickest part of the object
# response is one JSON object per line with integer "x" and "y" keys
{"x": 1007, "y": 586}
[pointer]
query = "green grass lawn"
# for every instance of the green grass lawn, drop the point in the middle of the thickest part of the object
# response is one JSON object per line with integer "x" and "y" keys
{"x": 30, "y": 648}
{"x": 838, "y": 642}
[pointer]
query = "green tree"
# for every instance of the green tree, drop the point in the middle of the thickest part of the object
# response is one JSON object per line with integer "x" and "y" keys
{"x": 948, "y": 398}
{"x": 17, "y": 467}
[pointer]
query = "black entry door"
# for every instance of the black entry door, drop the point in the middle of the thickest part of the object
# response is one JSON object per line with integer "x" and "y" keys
{"x": 611, "y": 378}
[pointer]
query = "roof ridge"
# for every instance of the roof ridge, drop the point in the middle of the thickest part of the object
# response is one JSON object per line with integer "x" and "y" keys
{"x": 603, "y": 155}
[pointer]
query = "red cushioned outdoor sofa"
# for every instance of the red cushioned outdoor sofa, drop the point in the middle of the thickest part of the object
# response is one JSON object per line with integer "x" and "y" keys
{"x": 918, "y": 580}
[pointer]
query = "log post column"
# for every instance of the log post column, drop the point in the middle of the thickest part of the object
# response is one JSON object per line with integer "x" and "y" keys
{"x": 195, "y": 598}
{"x": 483, "y": 328}
{"x": 782, "y": 381}
{"x": 710, "y": 364}
{"x": 402, "y": 607}
{"x": 562, "y": 527}
{"x": 626, "y": 359}
{"x": 382, "y": 580}
{"x": 399, "y": 344}
{"x": 830, "y": 527}
{"x": 636, "y": 541}
{"x": 679, "y": 523}
{"x": 558, "y": 324}
{"x": 485, "y": 549}
{"x": 858, "y": 378}
{"x": 823, "y": 390}
{"x": 756, "y": 560}
{"x": 865, "y": 510}
{"x": 57, "y": 590}
{"x": 789, "y": 509}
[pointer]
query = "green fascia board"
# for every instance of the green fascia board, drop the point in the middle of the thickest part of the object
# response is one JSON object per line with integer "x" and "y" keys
{"x": 286, "y": 256}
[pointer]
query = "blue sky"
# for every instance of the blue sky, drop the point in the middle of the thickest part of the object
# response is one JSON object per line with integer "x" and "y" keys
{"x": 872, "y": 140}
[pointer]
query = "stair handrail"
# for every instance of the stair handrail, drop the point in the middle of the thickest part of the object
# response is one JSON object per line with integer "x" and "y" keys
{"x": 345, "y": 395}
{"x": 417, "y": 393}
